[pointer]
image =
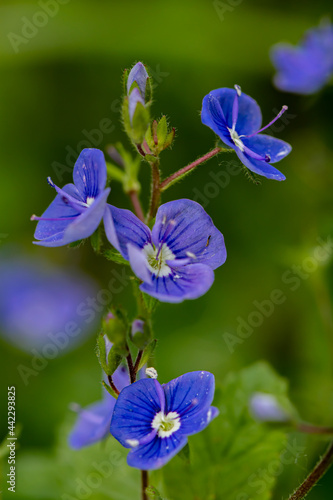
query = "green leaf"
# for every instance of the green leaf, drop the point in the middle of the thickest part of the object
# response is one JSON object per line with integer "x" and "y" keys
{"x": 162, "y": 132}
{"x": 115, "y": 256}
{"x": 96, "y": 240}
{"x": 147, "y": 353}
{"x": 116, "y": 329}
{"x": 153, "y": 494}
{"x": 101, "y": 352}
{"x": 227, "y": 457}
{"x": 184, "y": 454}
{"x": 150, "y": 302}
{"x": 114, "y": 360}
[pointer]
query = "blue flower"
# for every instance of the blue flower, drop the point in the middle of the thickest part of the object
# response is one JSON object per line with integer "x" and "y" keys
{"x": 93, "y": 422}
{"x": 236, "y": 118}
{"x": 78, "y": 208}
{"x": 139, "y": 75}
{"x": 155, "y": 420}
{"x": 176, "y": 259}
{"x": 39, "y": 305}
{"x": 306, "y": 68}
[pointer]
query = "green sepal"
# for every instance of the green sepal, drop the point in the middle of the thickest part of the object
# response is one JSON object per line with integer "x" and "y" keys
{"x": 124, "y": 80}
{"x": 96, "y": 240}
{"x": 142, "y": 339}
{"x": 184, "y": 454}
{"x": 150, "y": 302}
{"x": 153, "y": 494}
{"x": 116, "y": 330}
{"x": 114, "y": 360}
{"x": 140, "y": 123}
{"x": 101, "y": 353}
{"x": 150, "y": 158}
{"x": 162, "y": 132}
{"x": 115, "y": 256}
{"x": 114, "y": 172}
{"x": 149, "y": 88}
{"x": 251, "y": 176}
{"x": 169, "y": 139}
{"x": 110, "y": 390}
{"x": 147, "y": 353}
{"x": 76, "y": 244}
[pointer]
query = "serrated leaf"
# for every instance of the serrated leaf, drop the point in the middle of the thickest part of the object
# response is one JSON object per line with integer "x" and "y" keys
{"x": 147, "y": 353}
{"x": 115, "y": 256}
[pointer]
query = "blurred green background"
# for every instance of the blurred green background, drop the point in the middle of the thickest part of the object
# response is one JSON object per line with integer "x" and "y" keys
{"x": 67, "y": 79}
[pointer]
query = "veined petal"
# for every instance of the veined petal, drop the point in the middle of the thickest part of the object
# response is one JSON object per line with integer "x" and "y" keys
{"x": 93, "y": 423}
{"x": 139, "y": 75}
{"x": 79, "y": 228}
{"x": 156, "y": 453}
{"x": 134, "y": 412}
{"x": 249, "y": 114}
{"x": 260, "y": 167}
{"x": 189, "y": 282}
{"x": 90, "y": 173}
{"x": 189, "y": 395}
{"x": 263, "y": 144}
{"x": 122, "y": 227}
{"x": 189, "y": 232}
{"x": 199, "y": 421}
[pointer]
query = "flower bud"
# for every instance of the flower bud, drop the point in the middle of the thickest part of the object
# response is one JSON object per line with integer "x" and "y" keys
{"x": 266, "y": 408}
{"x": 139, "y": 75}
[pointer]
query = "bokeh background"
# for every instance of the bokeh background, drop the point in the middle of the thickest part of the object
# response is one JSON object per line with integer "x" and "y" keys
{"x": 61, "y": 85}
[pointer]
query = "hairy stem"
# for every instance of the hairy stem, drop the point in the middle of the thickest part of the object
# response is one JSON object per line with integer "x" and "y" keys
{"x": 155, "y": 189}
{"x": 144, "y": 484}
{"x": 136, "y": 205}
{"x": 320, "y": 469}
{"x": 112, "y": 385}
{"x": 165, "y": 184}
{"x": 132, "y": 373}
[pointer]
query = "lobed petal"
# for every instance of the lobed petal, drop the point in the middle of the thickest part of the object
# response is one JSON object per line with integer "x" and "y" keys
{"x": 122, "y": 227}
{"x": 190, "y": 395}
{"x": 62, "y": 233}
{"x": 90, "y": 173}
{"x": 134, "y": 411}
{"x": 156, "y": 453}
{"x": 263, "y": 144}
{"x": 188, "y": 230}
{"x": 260, "y": 167}
{"x": 190, "y": 282}
{"x": 139, "y": 263}
{"x": 92, "y": 424}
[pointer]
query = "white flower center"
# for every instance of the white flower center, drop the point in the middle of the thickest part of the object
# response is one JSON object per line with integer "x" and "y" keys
{"x": 166, "y": 424}
{"x": 156, "y": 259}
{"x": 235, "y": 137}
{"x": 90, "y": 200}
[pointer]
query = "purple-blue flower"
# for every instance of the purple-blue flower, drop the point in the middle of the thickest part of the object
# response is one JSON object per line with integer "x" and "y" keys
{"x": 139, "y": 75}
{"x": 236, "y": 118}
{"x": 154, "y": 420}
{"x": 78, "y": 208}
{"x": 93, "y": 422}
{"x": 176, "y": 259}
{"x": 306, "y": 68}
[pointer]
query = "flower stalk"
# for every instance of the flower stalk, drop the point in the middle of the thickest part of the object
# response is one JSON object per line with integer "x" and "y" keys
{"x": 318, "y": 472}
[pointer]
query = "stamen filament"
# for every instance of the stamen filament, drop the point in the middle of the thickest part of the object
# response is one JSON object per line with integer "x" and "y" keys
{"x": 284, "y": 108}
{"x": 235, "y": 106}
{"x": 255, "y": 156}
{"x": 73, "y": 201}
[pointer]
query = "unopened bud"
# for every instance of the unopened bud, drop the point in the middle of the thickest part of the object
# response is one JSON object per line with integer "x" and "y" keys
{"x": 266, "y": 408}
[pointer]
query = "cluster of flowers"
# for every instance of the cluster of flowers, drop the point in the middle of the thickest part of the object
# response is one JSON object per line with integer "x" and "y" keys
{"x": 174, "y": 260}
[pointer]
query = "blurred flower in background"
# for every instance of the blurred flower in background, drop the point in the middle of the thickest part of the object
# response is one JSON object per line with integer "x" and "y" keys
{"x": 42, "y": 305}
{"x": 306, "y": 68}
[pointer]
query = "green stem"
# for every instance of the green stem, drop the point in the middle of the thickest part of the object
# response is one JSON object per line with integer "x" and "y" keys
{"x": 144, "y": 484}
{"x": 136, "y": 205}
{"x": 167, "y": 182}
{"x": 155, "y": 189}
{"x": 313, "y": 429}
{"x": 318, "y": 472}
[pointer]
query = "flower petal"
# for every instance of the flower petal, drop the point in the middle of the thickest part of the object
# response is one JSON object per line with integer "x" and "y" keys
{"x": 260, "y": 167}
{"x": 139, "y": 75}
{"x": 90, "y": 173}
{"x": 189, "y": 395}
{"x": 249, "y": 114}
{"x": 134, "y": 412}
{"x": 189, "y": 232}
{"x": 156, "y": 453}
{"x": 139, "y": 263}
{"x": 77, "y": 229}
{"x": 92, "y": 424}
{"x": 123, "y": 227}
{"x": 189, "y": 282}
{"x": 198, "y": 422}
{"x": 263, "y": 145}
